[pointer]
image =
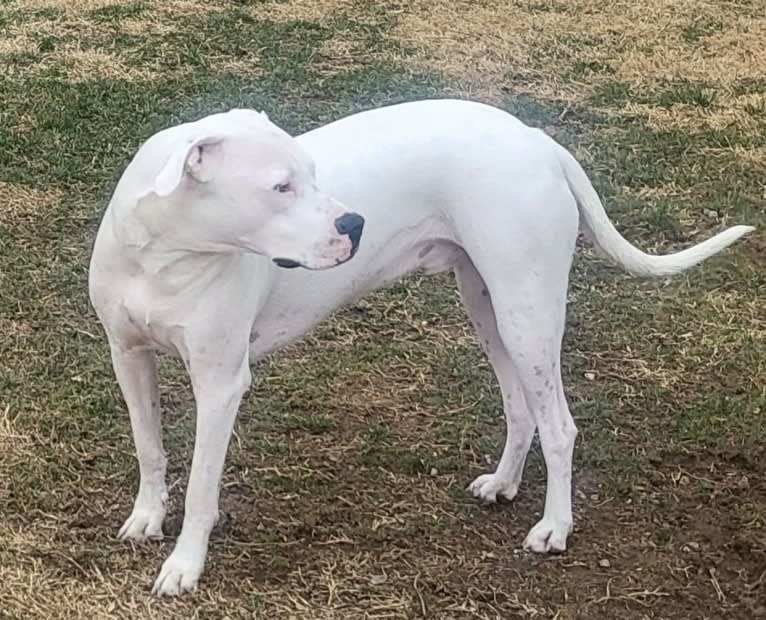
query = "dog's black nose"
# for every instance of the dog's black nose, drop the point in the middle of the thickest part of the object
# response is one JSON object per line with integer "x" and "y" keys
{"x": 351, "y": 224}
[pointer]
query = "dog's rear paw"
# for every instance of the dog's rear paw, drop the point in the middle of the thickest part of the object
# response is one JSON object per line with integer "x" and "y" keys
{"x": 178, "y": 575}
{"x": 143, "y": 524}
{"x": 489, "y": 487}
{"x": 548, "y": 536}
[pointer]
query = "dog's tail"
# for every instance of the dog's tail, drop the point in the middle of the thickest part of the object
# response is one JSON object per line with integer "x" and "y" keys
{"x": 606, "y": 237}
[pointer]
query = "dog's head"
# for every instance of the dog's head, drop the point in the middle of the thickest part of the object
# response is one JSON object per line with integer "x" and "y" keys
{"x": 239, "y": 183}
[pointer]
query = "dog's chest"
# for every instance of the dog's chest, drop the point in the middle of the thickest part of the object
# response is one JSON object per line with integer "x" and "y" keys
{"x": 151, "y": 317}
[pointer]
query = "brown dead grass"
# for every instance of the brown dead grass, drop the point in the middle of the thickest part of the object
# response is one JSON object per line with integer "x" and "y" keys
{"x": 53, "y": 581}
{"x": 80, "y": 7}
{"x": 143, "y": 26}
{"x": 78, "y": 63}
{"x": 688, "y": 117}
{"x": 756, "y": 155}
{"x": 16, "y": 447}
{"x": 10, "y": 437}
{"x": 73, "y": 6}
{"x": 16, "y": 43}
{"x": 66, "y": 586}
{"x": 342, "y": 53}
{"x": 309, "y": 10}
{"x": 723, "y": 325}
{"x": 81, "y": 62}
{"x": 334, "y": 55}
{"x": 736, "y": 53}
{"x": 520, "y": 46}
{"x": 88, "y": 64}
{"x": 21, "y": 204}
{"x": 480, "y": 43}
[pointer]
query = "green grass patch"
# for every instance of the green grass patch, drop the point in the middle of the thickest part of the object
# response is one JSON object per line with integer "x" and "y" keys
{"x": 116, "y": 12}
{"x": 700, "y": 29}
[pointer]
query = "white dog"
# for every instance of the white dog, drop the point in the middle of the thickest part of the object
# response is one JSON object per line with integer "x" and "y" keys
{"x": 190, "y": 259}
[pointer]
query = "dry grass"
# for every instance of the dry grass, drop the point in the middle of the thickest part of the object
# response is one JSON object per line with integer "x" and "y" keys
{"x": 66, "y": 587}
{"x": 529, "y": 47}
{"x": 308, "y": 10}
{"x": 16, "y": 446}
{"x": 152, "y": 25}
{"x": 22, "y": 205}
{"x": 335, "y": 55}
{"x": 83, "y": 65}
{"x": 755, "y": 155}
{"x": 77, "y": 63}
{"x": 83, "y": 7}
{"x": 77, "y": 58}
{"x": 10, "y": 437}
{"x": 661, "y": 52}
{"x": 475, "y": 42}
{"x": 73, "y": 6}
{"x": 688, "y": 117}
{"x": 343, "y": 52}
{"x": 15, "y": 43}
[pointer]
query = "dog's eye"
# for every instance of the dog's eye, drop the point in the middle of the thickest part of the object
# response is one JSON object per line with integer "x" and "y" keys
{"x": 283, "y": 188}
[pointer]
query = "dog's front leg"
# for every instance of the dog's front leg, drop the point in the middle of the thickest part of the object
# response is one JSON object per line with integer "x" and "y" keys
{"x": 136, "y": 373}
{"x": 218, "y": 389}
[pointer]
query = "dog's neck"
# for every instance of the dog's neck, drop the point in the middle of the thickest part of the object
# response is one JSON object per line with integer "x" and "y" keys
{"x": 142, "y": 243}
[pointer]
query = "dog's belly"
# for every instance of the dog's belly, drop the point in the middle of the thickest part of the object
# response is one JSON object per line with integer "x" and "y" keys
{"x": 286, "y": 317}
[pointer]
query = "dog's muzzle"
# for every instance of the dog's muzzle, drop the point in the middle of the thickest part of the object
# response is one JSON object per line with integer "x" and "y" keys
{"x": 351, "y": 224}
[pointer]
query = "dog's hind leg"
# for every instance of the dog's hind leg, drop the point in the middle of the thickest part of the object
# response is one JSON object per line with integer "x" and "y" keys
{"x": 520, "y": 423}
{"x": 524, "y": 257}
{"x": 530, "y": 321}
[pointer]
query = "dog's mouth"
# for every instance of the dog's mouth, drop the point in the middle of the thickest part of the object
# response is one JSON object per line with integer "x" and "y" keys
{"x": 289, "y": 263}
{"x": 286, "y": 263}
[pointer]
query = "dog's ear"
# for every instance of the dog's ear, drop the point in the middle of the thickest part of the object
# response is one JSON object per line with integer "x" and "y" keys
{"x": 197, "y": 159}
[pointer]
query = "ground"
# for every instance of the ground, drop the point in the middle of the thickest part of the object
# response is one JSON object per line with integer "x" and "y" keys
{"x": 344, "y": 487}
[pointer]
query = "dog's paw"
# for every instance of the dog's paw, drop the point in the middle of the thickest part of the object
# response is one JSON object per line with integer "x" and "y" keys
{"x": 548, "y": 536}
{"x": 489, "y": 487}
{"x": 177, "y": 576}
{"x": 143, "y": 524}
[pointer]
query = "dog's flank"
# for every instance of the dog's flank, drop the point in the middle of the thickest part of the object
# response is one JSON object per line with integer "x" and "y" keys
{"x": 213, "y": 208}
